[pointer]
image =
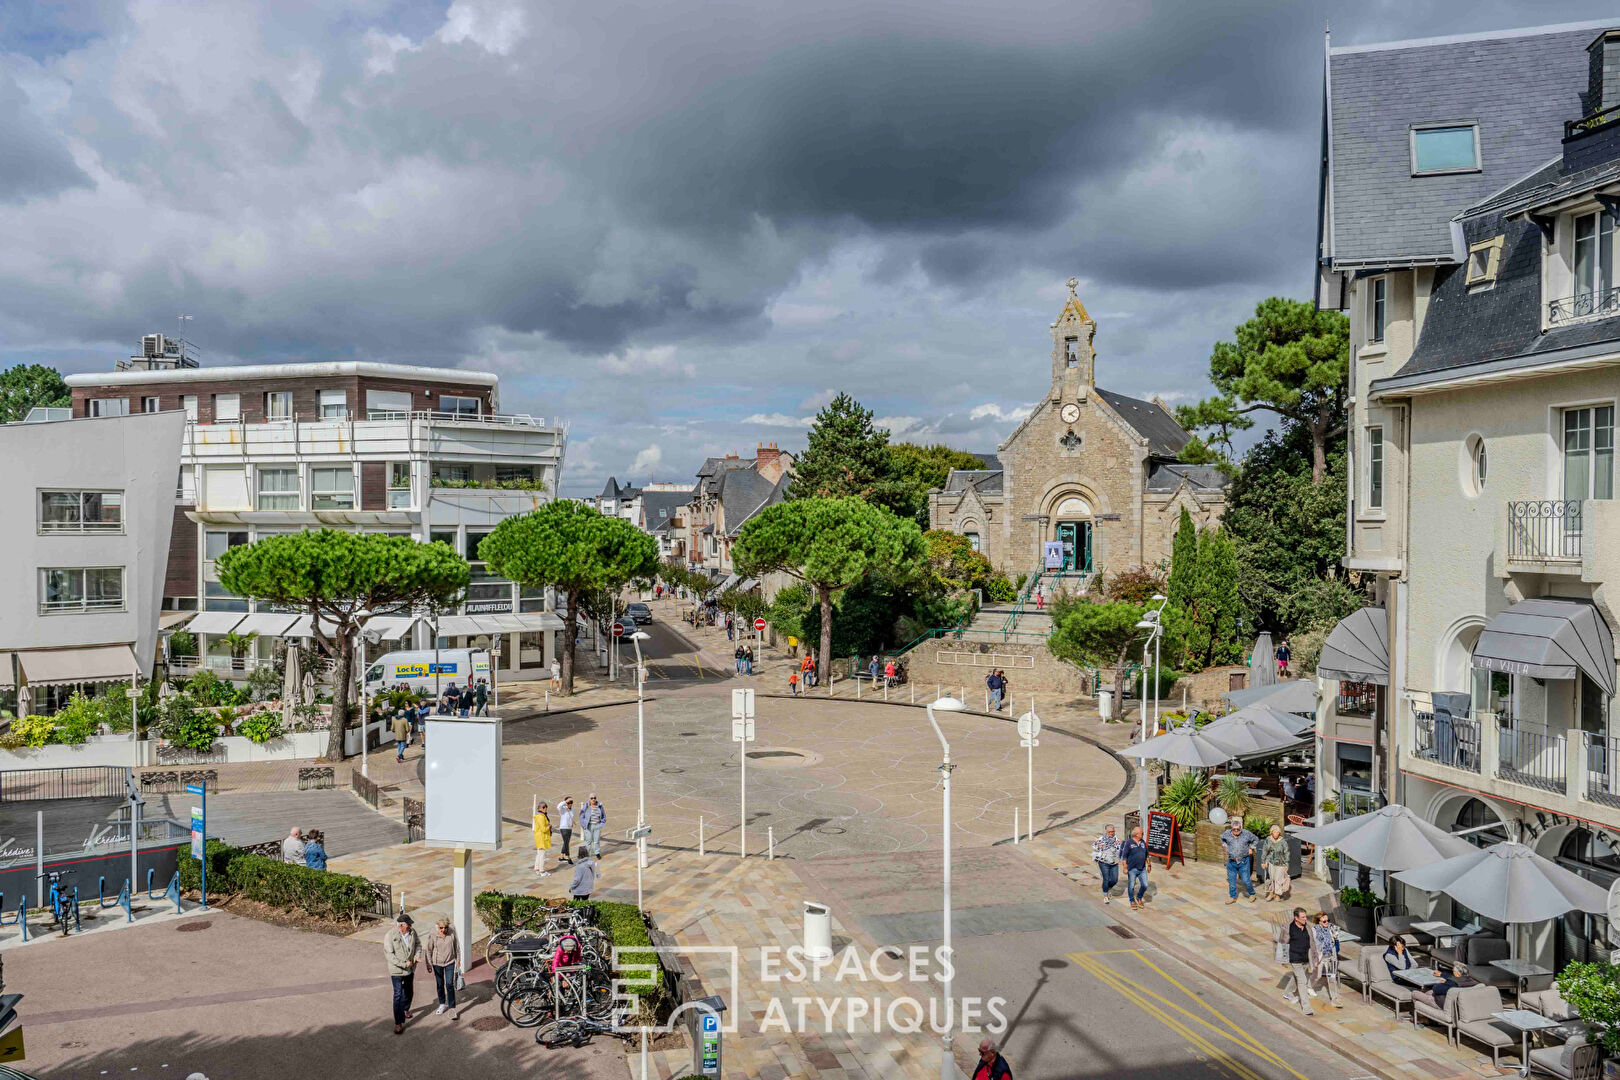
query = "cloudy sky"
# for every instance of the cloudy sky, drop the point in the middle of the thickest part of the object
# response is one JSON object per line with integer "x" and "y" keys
{"x": 678, "y": 225}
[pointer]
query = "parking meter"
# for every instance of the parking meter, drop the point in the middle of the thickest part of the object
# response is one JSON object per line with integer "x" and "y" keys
{"x": 704, "y": 1022}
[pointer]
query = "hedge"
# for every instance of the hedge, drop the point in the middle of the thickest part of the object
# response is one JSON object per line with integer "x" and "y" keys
{"x": 622, "y": 923}
{"x": 281, "y": 884}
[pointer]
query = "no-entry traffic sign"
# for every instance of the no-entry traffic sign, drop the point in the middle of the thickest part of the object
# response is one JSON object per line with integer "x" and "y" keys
{"x": 759, "y": 624}
{"x": 618, "y": 629}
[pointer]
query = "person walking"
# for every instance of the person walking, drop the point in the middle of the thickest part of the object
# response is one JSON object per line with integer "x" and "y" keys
{"x": 1294, "y": 938}
{"x": 729, "y": 636}
{"x": 1284, "y": 655}
{"x": 793, "y": 683}
{"x": 1325, "y": 957}
{"x": 556, "y": 676}
{"x": 993, "y": 682}
{"x": 748, "y": 659}
{"x": 888, "y": 673}
{"x": 315, "y": 850}
{"x": 807, "y": 668}
{"x": 584, "y": 881}
{"x": 991, "y": 1066}
{"x": 1040, "y": 599}
{"x": 591, "y": 820}
{"x": 872, "y": 670}
{"x": 737, "y": 658}
{"x": 401, "y": 948}
{"x": 292, "y": 848}
{"x": 440, "y": 953}
{"x": 466, "y": 700}
{"x": 1105, "y": 853}
{"x": 542, "y": 839}
{"x": 565, "y": 826}
{"x": 1134, "y": 854}
{"x": 402, "y": 735}
{"x": 1274, "y": 858}
{"x": 481, "y": 697}
{"x": 1006, "y": 688}
{"x": 1240, "y": 844}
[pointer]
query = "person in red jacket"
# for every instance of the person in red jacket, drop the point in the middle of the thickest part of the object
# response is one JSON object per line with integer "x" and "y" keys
{"x": 567, "y": 954}
{"x": 992, "y": 1066}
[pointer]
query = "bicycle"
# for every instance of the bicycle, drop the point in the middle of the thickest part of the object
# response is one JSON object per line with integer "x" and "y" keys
{"x": 539, "y": 921}
{"x": 63, "y": 904}
{"x": 573, "y": 1031}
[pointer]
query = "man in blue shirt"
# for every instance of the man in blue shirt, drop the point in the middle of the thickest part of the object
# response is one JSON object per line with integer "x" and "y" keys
{"x": 1239, "y": 844}
{"x": 1133, "y": 855}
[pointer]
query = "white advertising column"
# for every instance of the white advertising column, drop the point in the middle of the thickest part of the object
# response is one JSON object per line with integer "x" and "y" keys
{"x": 463, "y": 779}
{"x": 461, "y": 906}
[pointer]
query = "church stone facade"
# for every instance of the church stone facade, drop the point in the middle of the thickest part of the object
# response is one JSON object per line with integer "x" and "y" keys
{"x": 1093, "y": 470}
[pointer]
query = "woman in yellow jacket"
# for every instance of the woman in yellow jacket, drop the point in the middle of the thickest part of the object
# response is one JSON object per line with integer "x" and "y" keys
{"x": 542, "y": 839}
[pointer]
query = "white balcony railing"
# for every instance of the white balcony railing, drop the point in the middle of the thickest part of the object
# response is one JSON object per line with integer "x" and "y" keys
{"x": 67, "y": 607}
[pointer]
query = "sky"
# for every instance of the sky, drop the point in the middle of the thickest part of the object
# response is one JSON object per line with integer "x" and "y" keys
{"x": 678, "y": 227}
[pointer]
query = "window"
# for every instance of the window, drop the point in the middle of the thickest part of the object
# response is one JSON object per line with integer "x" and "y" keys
{"x": 387, "y": 404}
{"x": 460, "y": 406}
{"x": 399, "y": 485}
{"x": 278, "y": 405}
{"x": 81, "y": 588}
{"x": 1375, "y": 468}
{"x": 1377, "y": 307}
{"x": 334, "y": 404}
{"x": 452, "y": 474}
{"x": 1594, "y": 257}
{"x": 331, "y": 488}
{"x": 1473, "y": 465}
{"x": 109, "y": 406}
{"x": 227, "y": 408}
{"x": 1589, "y": 453}
{"x": 973, "y": 540}
{"x": 278, "y": 488}
{"x": 216, "y": 544}
{"x": 511, "y": 475}
{"x": 188, "y": 402}
{"x": 473, "y": 540}
{"x": 1445, "y": 148}
{"x": 1483, "y": 259}
{"x": 446, "y": 537}
{"x": 186, "y": 484}
{"x": 81, "y": 511}
{"x": 149, "y": 404}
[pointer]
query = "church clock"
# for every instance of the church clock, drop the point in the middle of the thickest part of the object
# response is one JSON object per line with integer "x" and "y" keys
{"x": 1070, "y": 413}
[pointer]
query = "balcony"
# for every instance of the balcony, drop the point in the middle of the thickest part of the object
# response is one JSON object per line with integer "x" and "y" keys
{"x": 1531, "y": 757}
{"x": 1597, "y": 304}
{"x": 1453, "y": 741}
{"x": 401, "y": 436}
{"x": 1545, "y": 531}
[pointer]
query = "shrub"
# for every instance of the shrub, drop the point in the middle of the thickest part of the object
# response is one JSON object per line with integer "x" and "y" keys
{"x": 1594, "y": 991}
{"x": 1000, "y": 589}
{"x": 182, "y": 643}
{"x": 263, "y": 683}
{"x": 1350, "y": 896}
{"x": 1232, "y": 794}
{"x": 1184, "y": 798}
{"x": 31, "y": 731}
{"x": 182, "y": 724}
{"x": 1259, "y": 824}
{"x": 206, "y": 688}
{"x": 78, "y": 720}
{"x": 1167, "y": 678}
{"x": 261, "y": 727}
{"x": 285, "y": 885}
{"x": 1136, "y": 585}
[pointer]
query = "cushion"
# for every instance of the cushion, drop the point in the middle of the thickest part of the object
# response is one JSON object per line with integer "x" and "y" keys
{"x": 1549, "y": 1003}
{"x": 1475, "y": 1003}
{"x": 1566, "y": 1056}
{"x": 1482, "y": 950}
{"x": 1487, "y": 1032}
{"x": 1550, "y": 1059}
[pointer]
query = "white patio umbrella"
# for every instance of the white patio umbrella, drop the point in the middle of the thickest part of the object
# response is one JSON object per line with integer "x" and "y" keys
{"x": 1390, "y": 838}
{"x": 1190, "y": 748}
{"x": 1284, "y": 728}
{"x": 1246, "y": 736}
{"x": 1263, "y": 662}
{"x": 1510, "y": 883}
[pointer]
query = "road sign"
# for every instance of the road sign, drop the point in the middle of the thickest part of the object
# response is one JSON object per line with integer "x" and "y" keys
{"x": 759, "y": 624}
{"x": 742, "y": 730}
{"x": 495, "y": 643}
{"x": 196, "y": 832}
{"x": 1029, "y": 744}
{"x": 196, "y": 789}
{"x": 636, "y": 832}
{"x": 618, "y": 629}
{"x": 709, "y": 1051}
{"x": 742, "y": 704}
{"x": 1029, "y": 726}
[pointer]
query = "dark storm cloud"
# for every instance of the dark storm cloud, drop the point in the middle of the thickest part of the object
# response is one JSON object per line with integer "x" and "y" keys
{"x": 33, "y": 159}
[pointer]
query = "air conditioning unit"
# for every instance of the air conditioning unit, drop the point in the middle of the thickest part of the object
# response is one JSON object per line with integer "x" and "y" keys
{"x": 152, "y": 346}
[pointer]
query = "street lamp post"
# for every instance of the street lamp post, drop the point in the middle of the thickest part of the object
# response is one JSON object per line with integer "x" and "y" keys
{"x": 641, "y": 766}
{"x": 1153, "y": 623}
{"x": 947, "y": 1063}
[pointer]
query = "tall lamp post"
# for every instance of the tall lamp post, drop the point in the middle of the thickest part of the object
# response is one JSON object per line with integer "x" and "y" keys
{"x": 363, "y": 635}
{"x": 641, "y": 765}
{"x": 947, "y": 1063}
{"x": 1153, "y": 623}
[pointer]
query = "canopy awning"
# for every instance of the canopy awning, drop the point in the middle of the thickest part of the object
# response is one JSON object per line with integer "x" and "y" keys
{"x": 265, "y": 624}
{"x": 167, "y": 620}
{"x": 301, "y": 628}
{"x": 7, "y": 680}
{"x": 97, "y": 663}
{"x": 1358, "y": 649}
{"x": 215, "y": 622}
{"x": 751, "y": 583}
{"x": 731, "y": 579}
{"x": 391, "y": 627}
{"x": 520, "y": 623}
{"x": 1549, "y": 639}
{"x": 1294, "y": 696}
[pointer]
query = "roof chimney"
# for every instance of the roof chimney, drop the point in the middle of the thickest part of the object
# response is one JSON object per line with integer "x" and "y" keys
{"x": 1603, "y": 72}
{"x": 766, "y": 453}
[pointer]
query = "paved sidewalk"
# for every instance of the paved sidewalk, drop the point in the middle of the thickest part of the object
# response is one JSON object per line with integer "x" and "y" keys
{"x": 1188, "y": 917}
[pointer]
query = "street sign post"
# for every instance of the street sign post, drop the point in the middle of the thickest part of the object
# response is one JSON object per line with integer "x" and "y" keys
{"x": 618, "y": 629}
{"x": 199, "y": 839}
{"x": 637, "y": 832}
{"x": 759, "y": 624}
{"x": 1029, "y": 726}
{"x": 742, "y": 733}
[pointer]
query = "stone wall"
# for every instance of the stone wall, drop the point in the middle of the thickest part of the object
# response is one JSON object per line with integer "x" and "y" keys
{"x": 1030, "y": 669}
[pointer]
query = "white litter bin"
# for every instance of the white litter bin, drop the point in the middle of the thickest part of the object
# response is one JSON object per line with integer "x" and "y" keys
{"x": 817, "y": 931}
{"x": 1105, "y": 704}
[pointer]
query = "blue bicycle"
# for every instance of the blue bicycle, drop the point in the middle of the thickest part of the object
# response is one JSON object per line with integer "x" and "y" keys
{"x": 64, "y": 901}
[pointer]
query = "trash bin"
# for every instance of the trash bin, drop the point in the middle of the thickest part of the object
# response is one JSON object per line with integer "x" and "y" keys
{"x": 1105, "y": 704}
{"x": 1296, "y": 861}
{"x": 817, "y": 931}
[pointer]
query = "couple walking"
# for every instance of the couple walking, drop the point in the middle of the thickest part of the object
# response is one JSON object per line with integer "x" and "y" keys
{"x": 1108, "y": 853}
{"x": 402, "y": 948}
{"x": 590, "y": 820}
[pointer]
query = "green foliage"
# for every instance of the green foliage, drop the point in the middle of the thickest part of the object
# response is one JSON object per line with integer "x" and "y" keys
{"x": 1350, "y": 896}
{"x": 1000, "y": 589}
{"x": 206, "y": 688}
{"x": 1167, "y": 677}
{"x": 1594, "y": 991}
{"x": 1232, "y": 794}
{"x": 31, "y": 731}
{"x": 1216, "y": 602}
{"x": 1184, "y": 797}
{"x": 847, "y": 455}
{"x": 26, "y": 386}
{"x": 521, "y": 483}
{"x": 280, "y": 884}
{"x": 261, "y": 727}
{"x": 239, "y": 645}
{"x": 922, "y": 467}
{"x": 952, "y": 562}
{"x": 1096, "y": 633}
{"x": 1138, "y": 585}
{"x": 1183, "y": 563}
{"x": 623, "y": 924}
{"x": 264, "y": 683}
{"x": 746, "y": 606}
{"x": 787, "y": 612}
{"x": 182, "y": 723}
{"x": 78, "y": 720}
{"x": 1219, "y": 421}
{"x": 1259, "y": 824}
{"x": 182, "y": 643}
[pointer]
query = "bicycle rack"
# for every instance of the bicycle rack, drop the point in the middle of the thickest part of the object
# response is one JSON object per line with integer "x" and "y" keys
{"x": 173, "y": 891}
{"x": 76, "y": 924}
{"x": 150, "y": 895}
{"x": 124, "y": 902}
{"x": 102, "y": 901}
{"x": 22, "y": 914}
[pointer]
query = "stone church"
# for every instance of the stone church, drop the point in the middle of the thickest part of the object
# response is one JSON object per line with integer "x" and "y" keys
{"x": 1093, "y": 471}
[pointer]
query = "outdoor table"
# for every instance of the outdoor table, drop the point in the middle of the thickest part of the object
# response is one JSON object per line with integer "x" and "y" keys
{"x": 1443, "y": 933}
{"x": 1344, "y": 935}
{"x": 1526, "y": 1021}
{"x": 1520, "y": 970}
{"x": 1422, "y": 978}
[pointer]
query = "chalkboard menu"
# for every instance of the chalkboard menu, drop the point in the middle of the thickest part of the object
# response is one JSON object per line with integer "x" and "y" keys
{"x": 1163, "y": 838}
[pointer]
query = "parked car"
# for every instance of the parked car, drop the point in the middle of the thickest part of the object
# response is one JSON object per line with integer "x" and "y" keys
{"x": 639, "y": 612}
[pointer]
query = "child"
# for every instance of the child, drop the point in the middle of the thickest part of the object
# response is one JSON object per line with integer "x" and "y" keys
{"x": 793, "y": 682}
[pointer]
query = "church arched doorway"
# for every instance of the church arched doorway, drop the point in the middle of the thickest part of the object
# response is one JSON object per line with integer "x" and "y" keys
{"x": 1072, "y": 529}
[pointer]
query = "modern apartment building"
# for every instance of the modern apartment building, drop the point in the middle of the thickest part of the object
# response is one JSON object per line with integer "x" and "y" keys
{"x": 81, "y": 580}
{"x": 1469, "y": 195}
{"x": 408, "y": 451}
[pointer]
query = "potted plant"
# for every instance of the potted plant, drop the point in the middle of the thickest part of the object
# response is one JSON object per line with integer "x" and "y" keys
{"x": 1594, "y": 991}
{"x": 1356, "y": 908}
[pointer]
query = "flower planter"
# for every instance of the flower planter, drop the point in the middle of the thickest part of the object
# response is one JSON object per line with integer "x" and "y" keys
{"x": 1359, "y": 921}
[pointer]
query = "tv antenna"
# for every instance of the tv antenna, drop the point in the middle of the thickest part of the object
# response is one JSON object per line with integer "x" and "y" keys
{"x": 181, "y": 321}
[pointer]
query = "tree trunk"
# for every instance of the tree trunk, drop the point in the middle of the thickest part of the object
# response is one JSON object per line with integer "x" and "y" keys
{"x": 1119, "y": 680}
{"x": 342, "y": 678}
{"x": 570, "y": 631}
{"x": 1319, "y": 438}
{"x": 824, "y": 661}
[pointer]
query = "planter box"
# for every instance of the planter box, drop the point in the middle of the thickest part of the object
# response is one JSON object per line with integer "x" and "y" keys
{"x": 303, "y": 744}
{"x": 114, "y": 750}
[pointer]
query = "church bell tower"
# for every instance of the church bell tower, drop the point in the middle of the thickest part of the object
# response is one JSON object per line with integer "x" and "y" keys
{"x": 1072, "y": 354}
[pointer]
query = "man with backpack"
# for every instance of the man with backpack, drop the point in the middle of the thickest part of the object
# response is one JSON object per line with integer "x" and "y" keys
{"x": 997, "y": 686}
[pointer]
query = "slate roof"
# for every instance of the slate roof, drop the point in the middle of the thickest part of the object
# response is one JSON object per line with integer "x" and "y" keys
{"x": 713, "y": 469}
{"x": 668, "y": 501}
{"x": 1519, "y": 85}
{"x": 1165, "y": 437}
{"x": 612, "y": 490}
{"x": 984, "y": 481}
{"x": 743, "y": 491}
{"x": 1168, "y": 476}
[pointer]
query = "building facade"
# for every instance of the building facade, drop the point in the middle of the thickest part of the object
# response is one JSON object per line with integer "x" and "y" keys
{"x": 408, "y": 451}
{"x": 81, "y": 583}
{"x": 1091, "y": 470}
{"x": 728, "y": 492}
{"x": 1469, "y": 188}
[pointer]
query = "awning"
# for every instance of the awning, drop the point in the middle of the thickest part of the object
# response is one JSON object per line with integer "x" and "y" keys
{"x": 1294, "y": 696}
{"x": 1358, "y": 649}
{"x": 6, "y": 679}
{"x": 1549, "y": 639}
{"x": 457, "y": 625}
{"x": 215, "y": 622}
{"x": 98, "y": 663}
{"x": 731, "y": 579}
{"x": 301, "y": 628}
{"x": 391, "y": 627}
{"x": 522, "y": 622}
{"x": 170, "y": 619}
{"x": 266, "y": 624}
{"x": 751, "y": 583}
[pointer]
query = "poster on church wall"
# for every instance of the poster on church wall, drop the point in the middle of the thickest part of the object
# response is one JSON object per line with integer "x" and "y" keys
{"x": 1054, "y": 554}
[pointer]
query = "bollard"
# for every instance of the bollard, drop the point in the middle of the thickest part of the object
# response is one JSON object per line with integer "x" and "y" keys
{"x": 817, "y": 932}
{"x": 938, "y": 693}
{"x": 987, "y": 699}
{"x": 914, "y": 693}
{"x": 770, "y": 837}
{"x": 885, "y": 689}
{"x": 857, "y": 688}
{"x": 548, "y": 699}
{"x": 1015, "y": 824}
{"x": 700, "y": 837}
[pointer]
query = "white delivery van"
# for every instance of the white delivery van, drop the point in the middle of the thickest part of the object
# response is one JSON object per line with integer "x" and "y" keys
{"x": 424, "y": 669}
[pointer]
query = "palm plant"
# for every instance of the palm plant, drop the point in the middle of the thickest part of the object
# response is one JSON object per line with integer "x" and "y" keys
{"x": 238, "y": 644}
{"x": 1232, "y": 795}
{"x": 1184, "y": 797}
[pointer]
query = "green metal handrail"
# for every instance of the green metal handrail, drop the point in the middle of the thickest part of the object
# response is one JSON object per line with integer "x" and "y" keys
{"x": 1021, "y": 602}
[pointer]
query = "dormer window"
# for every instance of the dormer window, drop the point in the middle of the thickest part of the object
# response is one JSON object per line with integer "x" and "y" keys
{"x": 1483, "y": 260}
{"x": 1585, "y": 262}
{"x": 1594, "y": 253}
{"x": 1439, "y": 149}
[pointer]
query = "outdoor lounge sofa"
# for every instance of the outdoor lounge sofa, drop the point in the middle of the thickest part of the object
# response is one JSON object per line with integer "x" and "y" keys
{"x": 1444, "y": 1014}
{"x": 1575, "y": 1060}
{"x": 1380, "y": 983}
{"x": 1549, "y": 1003}
{"x": 1391, "y": 927}
{"x": 1475, "y": 1004}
